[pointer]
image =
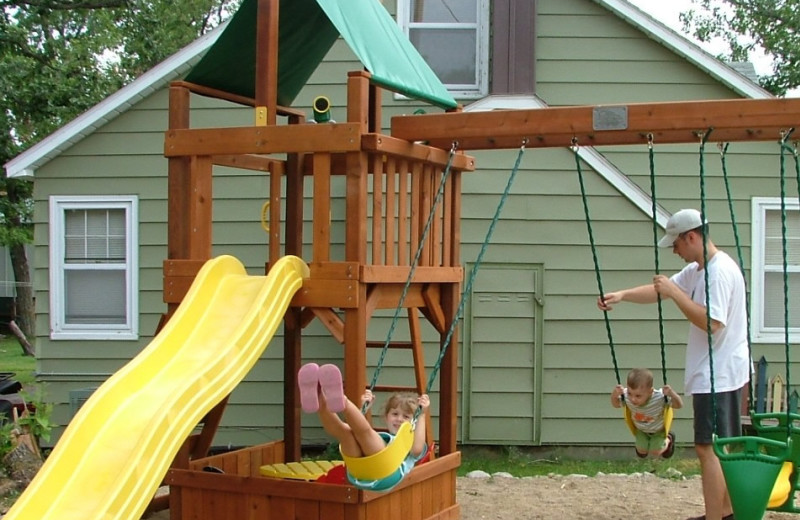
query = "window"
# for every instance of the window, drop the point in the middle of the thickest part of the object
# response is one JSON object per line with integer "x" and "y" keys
{"x": 93, "y": 268}
{"x": 767, "y": 294}
{"x": 453, "y": 37}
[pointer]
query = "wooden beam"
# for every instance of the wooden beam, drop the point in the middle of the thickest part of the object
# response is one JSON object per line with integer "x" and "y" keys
{"x": 202, "y": 90}
{"x": 673, "y": 122}
{"x": 266, "y": 87}
{"x": 399, "y": 274}
{"x": 331, "y": 321}
{"x": 409, "y": 150}
{"x": 334, "y": 137}
{"x": 257, "y": 163}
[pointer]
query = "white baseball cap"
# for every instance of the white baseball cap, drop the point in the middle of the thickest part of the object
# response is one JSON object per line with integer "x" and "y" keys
{"x": 680, "y": 222}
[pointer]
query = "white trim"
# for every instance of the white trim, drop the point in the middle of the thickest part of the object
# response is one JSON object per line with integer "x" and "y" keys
{"x": 686, "y": 48}
{"x": 605, "y": 168}
{"x": 759, "y": 333}
{"x": 25, "y": 164}
{"x": 58, "y": 329}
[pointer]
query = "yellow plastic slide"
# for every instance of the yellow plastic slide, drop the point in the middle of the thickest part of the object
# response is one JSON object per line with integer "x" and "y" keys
{"x": 118, "y": 447}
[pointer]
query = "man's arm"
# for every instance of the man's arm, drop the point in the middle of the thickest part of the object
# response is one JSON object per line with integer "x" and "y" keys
{"x": 694, "y": 312}
{"x": 640, "y": 294}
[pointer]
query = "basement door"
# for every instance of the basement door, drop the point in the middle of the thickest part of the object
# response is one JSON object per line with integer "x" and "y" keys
{"x": 502, "y": 358}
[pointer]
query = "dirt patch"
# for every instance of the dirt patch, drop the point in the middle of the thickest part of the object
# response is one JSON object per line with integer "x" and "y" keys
{"x": 605, "y": 497}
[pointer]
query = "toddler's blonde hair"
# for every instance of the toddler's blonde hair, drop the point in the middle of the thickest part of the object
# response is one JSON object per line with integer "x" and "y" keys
{"x": 406, "y": 401}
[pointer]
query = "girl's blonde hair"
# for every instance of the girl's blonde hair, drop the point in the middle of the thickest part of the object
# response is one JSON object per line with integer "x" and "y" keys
{"x": 406, "y": 401}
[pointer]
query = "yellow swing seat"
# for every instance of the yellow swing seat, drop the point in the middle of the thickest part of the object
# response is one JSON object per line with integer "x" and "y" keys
{"x": 382, "y": 464}
{"x": 782, "y": 487}
{"x": 668, "y": 414}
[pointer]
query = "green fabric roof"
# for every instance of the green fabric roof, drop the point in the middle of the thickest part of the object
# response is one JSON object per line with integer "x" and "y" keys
{"x": 307, "y": 30}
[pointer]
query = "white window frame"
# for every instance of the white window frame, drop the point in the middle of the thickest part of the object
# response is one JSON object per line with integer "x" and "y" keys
{"x": 459, "y": 91}
{"x": 59, "y": 329}
{"x": 759, "y": 332}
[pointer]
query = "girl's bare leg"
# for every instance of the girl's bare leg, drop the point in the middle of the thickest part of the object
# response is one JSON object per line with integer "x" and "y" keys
{"x": 355, "y": 434}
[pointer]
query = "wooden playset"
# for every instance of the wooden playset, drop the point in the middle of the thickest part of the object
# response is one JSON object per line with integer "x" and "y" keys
{"x": 391, "y": 183}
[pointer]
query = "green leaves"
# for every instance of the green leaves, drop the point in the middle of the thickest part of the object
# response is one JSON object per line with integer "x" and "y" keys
{"x": 749, "y": 27}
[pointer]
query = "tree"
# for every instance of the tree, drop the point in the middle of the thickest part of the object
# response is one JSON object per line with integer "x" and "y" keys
{"x": 57, "y": 59}
{"x": 750, "y": 26}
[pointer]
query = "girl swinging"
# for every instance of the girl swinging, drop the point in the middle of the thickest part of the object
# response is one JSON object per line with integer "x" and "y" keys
{"x": 321, "y": 391}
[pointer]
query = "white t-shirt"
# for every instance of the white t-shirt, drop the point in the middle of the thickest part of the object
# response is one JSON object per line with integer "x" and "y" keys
{"x": 727, "y": 302}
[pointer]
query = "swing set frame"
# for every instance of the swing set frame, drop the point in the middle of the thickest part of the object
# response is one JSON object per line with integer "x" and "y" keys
{"x": 349, "y": 282}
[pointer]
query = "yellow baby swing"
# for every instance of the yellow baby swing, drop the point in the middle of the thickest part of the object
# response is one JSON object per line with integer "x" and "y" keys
{"x": 668, "y": 411}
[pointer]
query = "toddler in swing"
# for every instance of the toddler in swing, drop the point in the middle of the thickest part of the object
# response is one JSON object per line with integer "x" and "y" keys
{"x": 646, "y": 406}
{"x": 321, "y": 391}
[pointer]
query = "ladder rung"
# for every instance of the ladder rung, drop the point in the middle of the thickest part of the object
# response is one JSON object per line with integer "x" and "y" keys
{"x": 393, "y": 388}
{"x": 392, "y": 344}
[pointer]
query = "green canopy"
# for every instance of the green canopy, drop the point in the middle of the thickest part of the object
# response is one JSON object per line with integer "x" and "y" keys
{"x": 307, "y": 31}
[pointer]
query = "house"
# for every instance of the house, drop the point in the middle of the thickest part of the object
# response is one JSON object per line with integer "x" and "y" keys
{"x": 534, "y": 353}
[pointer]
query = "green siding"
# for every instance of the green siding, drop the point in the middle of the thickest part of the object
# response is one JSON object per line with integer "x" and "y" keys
{"x": 524, "y": 381}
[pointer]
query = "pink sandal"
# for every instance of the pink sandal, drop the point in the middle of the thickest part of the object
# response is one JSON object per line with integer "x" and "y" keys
{"x": 330, "y": 380}
{"x": 308, "y": 381}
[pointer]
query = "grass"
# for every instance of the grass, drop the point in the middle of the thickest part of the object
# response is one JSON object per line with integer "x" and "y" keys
{"x": 528, "y": 462}
{"x": 12, "y": 359}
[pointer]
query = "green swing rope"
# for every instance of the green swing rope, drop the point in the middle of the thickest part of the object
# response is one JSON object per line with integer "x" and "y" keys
{"x": 404, "y": 293}
{"x": 594, "y": 255}
{"x": 750, "y": 470}
{"x": 723, "y": 152}
{"x": 654, "y": 209}
{"x": 704, "y": 230}
{"x": 468, "y": 287}
{"x": 784, "y": 253}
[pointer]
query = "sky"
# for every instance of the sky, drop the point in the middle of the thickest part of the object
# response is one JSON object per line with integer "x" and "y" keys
{"x": 667, "y": 11}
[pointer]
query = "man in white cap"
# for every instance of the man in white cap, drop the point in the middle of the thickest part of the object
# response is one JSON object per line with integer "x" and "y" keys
{"x": 728, "y": 324}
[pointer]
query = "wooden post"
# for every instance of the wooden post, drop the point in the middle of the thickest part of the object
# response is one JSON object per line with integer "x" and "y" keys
{"x": 292, "y": 328}
{"x": 267, "y": 59}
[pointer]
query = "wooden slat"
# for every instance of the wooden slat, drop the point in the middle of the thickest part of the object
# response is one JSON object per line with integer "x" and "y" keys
{"x": 402, "y": 215}
{"x": 327, "y": 293}
{"x": 414, "y": 225}
{"x": 178, "y": 267}
{"x": 266, "y": 87}
{"x": 333, "y": 137}
{"x": 235, "y": 484}
{"x": 399, "y": 274}
{"x": 389, "y": 221}
{"x": 331, "y": 321}
{"x": 672, "y": 122}
{"x": 416, "y": 151}
{"x": 257, "y": 163}
{"x": 377, "y": 208}
{"x": 393, "y": 344}
{"x": 436, "y": 225}
{"x": 334, "y": 270}
{"x": 387, "y": 296}
{"x": 433, "y": 307}
{"x": 176, "y": 287}
{"x": 291, "y": 113}
{"x": 425, "y": 208}
{"x": 447, "y": 220}
{"x": 321, "y": 234}
{"x": 275, "y": 180}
